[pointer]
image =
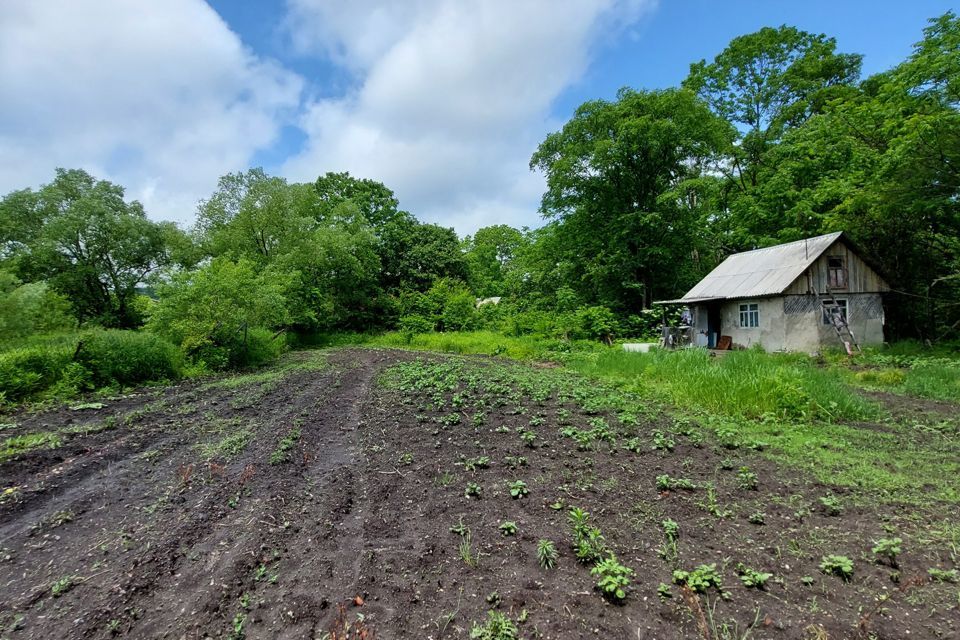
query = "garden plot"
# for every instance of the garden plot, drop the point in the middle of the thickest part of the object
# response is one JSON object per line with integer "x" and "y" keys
{"x": 367, "y": 493}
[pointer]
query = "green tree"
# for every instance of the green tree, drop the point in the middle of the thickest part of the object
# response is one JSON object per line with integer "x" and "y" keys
{"x": 375, "y": 202}
{"x": 414, "y": 254}
{"x": 614, "y": 175}
{"x": 81, "y": 236}
{"x": 489, "y": 254}
{"x": 30, "y": 308}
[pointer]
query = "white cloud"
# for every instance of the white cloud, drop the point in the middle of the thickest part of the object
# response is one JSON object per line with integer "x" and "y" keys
{"x": 160, "y": 97}
{"x": 452, "y": 97}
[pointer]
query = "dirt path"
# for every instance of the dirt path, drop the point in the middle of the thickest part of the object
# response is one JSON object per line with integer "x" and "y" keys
{"x": 131, "y": 529}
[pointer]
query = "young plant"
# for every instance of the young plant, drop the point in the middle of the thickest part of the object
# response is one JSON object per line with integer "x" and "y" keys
{"x": 62, "y": 585}
{"x": 746, "y": 479}
{"x": 472, "y": 464}
{"x": 465, "y": 549}
{"x": 497, "y": 627}
{"x": 508, "y": 528}
{"x": 473, "y": 490}
{"x": 671, "y": 529}
{"x": 700, "y": 579}
{"x": 752, "y": 578}
{"x": 940, "y": 575}
{"x": 612, "y": 577}
{"x": 757, "y": 517}
{"x": 840, "y": 566}
{"x": 547, "y": 554}
{"x": 831, "y": 505}
{"x": 662, "y": 442}
{"x": 666, "y": 483}
{"x": 887, "y": 550}
{"x": 518, "y": 489}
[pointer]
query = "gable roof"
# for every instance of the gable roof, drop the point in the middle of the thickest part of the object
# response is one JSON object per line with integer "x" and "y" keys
{"x": 761, "y": 272}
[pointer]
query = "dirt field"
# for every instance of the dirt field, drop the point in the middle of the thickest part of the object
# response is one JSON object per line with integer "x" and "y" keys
{"x": 332, "y": 492}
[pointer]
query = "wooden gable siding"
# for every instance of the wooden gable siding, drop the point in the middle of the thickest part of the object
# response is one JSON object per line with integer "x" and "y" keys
{"x": 860, "y": 277}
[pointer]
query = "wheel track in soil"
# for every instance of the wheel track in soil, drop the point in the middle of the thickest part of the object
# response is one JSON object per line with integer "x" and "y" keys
{"x": 200, "y": 555}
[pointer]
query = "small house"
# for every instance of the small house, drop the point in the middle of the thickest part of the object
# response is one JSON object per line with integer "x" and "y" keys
{"x": 799, "y": 296}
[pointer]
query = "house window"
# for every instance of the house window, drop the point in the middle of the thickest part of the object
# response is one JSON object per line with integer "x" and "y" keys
{"x": 750, "y": 315}
{"x": 841, "y": 307}
{"x": 836, "y": 272}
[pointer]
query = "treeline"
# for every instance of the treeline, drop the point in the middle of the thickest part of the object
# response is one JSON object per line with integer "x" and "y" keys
{"x": 778, "y": 138}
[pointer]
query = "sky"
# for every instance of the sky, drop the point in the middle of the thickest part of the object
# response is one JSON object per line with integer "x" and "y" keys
{"x": 444, "y": 101}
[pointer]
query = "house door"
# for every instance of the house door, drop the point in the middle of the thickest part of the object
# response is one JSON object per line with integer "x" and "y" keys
{"x": 713, "y": 324}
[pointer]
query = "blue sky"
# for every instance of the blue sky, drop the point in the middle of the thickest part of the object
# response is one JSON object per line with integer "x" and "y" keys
{"x": 443, "y": 100}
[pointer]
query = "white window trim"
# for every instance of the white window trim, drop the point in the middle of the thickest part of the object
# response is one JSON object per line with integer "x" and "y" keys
{"x": 748, "y": 310}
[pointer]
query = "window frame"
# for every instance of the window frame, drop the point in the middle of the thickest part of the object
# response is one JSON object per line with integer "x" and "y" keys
{"x": 837, "y": 275}
{"x": 844, "y": 304}
{"x": 749, "y": 313}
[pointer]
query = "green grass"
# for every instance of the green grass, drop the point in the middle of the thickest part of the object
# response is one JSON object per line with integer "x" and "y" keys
{"x": 229, "y": 447}
{"x": 742, "y": 384}
{"x": 13, "y": 447}
{"x": 272, "y": 376}
{"x": 473, "y": 343}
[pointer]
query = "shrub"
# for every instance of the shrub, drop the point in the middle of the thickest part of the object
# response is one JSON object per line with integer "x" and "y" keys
{"x": 115, "y": 356}
{"x": 29, "y": 370}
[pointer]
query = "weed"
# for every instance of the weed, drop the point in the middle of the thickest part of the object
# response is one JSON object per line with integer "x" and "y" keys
{"x": 840, "y": 566}
{"x": 547, "y": 555}
{"x": 460, "y": 529}
{"x": 237, "y": 632}
{"x": 612, "y": 577}
{"x": 405, "y": 459}
{"x": 711, "y": 506}
{"x": 518, "y": 489}
{"x": 465, "y": 549}
{"x": 497, "y": 627}
{"x": 16, "y": 445}
{"x": 941, "y": 575}
{"x": 508, "y": 528}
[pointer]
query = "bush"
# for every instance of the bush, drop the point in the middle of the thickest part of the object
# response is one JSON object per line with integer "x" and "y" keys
{"x": 261, "y": 346}
{"x": 29, "y": 370}
{"x": 115, "y": 356}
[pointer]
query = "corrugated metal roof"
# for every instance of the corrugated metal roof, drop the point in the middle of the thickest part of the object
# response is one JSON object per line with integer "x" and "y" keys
{"x": 761, "y": 272}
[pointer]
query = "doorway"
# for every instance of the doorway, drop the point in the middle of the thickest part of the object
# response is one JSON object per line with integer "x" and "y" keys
{"x": 713, "y": 324}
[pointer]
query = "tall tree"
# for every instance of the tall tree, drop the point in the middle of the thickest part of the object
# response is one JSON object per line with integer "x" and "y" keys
{"x": 374, "y": 201}
{"x": 415, "y": 254}
{"x": 615, "y": 173}
{"x": 91, "y": 245}
{"x": 489, "y": 254}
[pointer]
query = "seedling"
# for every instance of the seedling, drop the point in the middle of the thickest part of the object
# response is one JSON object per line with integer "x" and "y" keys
{"x": 63, "y": 585}
{"x": 752, "y": 578}
{"x": 633, "y": 445}
{"x": 518, "y": 489}
{"x": 612, "y": 577}
{"x": 497, "y": 627}
{"x": 666, "y": 483}
{"x": 529, "y": 438}
{"x": 887, "y": 549}
{"x": 662, "y": 442}
{"x": 472, "y": 464}
{"x": 664, "y": 592}
{"x": 473, "y": 490}
{"x": 840, "y": 566}
{"x": 547, "y": 555}
{"x": 757, "y": 517}
{"x": 746, "y": 479}
{"x": 405, "y": 459}
{"x": 831, "y": 505}
{"x": 671, "y": 529}
{"x": 465, "y": 549}
{"x": 460, "y": 529}
{"x": 700, "y": 579}
{"x": 515, "y": 461}
{"x": 508, "y": 528}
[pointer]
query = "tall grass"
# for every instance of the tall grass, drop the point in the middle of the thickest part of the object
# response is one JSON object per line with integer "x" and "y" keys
{"x": 745, "y": 384}
{"x": 471, "y": 342}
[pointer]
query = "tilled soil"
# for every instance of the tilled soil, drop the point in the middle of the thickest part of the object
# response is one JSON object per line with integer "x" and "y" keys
{"x": 299, "y": 508}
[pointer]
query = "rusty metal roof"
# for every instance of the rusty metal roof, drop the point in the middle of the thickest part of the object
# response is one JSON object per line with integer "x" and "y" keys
{"x": 761, "y": 272}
